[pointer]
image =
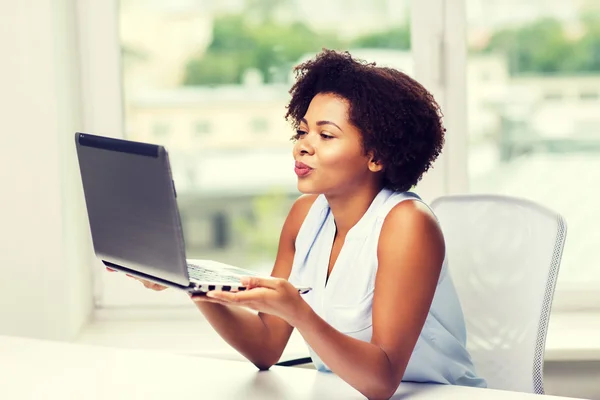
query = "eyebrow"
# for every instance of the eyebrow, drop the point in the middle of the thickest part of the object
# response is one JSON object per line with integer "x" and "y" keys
{"x": 321, "y": 123}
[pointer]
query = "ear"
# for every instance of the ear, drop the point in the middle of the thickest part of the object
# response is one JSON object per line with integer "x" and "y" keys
{"x": 374, "y": 164}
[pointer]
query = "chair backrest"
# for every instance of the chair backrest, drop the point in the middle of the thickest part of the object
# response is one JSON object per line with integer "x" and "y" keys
{"x": 504, "y": 255}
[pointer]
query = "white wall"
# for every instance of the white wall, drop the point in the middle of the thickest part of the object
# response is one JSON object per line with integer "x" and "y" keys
{"x": 45, "y": 287}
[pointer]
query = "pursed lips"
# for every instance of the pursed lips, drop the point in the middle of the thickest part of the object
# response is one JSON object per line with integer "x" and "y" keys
{"x": 302, "y": 169}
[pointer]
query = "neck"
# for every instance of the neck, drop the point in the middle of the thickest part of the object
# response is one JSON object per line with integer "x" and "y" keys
{"x": 348, "y": 209}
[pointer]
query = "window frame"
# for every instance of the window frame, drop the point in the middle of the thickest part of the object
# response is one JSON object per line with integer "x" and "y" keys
{"x": 101, "y": 88}
{"x": 440, "y": 59}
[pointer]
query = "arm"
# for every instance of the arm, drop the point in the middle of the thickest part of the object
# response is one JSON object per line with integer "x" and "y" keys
{"x": 261, "y": 338}
{"x": 410, "y": 252}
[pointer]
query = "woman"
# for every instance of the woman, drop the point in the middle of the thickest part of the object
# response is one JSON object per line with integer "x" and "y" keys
{"x": 383, "y": 307}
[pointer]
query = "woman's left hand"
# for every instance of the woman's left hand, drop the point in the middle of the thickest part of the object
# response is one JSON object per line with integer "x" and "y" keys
{"x": 274, "y": 296}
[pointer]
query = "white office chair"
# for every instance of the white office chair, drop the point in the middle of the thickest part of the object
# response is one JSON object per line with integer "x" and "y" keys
{"x": 504, "y": 255}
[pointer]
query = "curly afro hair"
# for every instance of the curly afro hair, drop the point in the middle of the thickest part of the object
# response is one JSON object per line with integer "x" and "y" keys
{"x": 400, "y": 121}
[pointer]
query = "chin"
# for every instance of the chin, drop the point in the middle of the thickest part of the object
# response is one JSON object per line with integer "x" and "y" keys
{"x": 305, "y": 187}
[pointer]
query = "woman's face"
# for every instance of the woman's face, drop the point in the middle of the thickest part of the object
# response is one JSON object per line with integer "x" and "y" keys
{"x": 328, "y": 152}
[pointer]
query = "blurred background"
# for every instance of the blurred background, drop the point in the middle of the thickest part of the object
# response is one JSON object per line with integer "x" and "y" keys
{"x": 211, "y": 79}
{"x": 518, "y": 81}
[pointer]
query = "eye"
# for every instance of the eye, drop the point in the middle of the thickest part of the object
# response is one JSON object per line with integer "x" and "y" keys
{"x": 325, "y": 136}
{"x": 299, "y": 133}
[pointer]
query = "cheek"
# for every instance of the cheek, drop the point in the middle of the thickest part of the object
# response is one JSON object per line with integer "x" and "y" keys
{"x": 341, "y": 159}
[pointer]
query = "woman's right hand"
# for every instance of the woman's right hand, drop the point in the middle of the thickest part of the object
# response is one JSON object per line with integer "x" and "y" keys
{"x": 147, "y": 284}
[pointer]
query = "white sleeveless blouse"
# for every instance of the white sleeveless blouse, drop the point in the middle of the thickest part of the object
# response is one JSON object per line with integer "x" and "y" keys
{"x": 346, "y": 301}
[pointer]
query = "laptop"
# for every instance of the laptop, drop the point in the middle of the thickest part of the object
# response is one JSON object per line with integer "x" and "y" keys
{"x": 134, "y": 219}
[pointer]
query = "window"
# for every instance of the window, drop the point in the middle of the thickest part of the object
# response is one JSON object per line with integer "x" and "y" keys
{"x": 510, "y": 125}
{"x": 221, "y": 230}
{"x": 260, "y": 125}
{"x": 204, "y": 232}
{"x": 225, "y": 68}
{"x": 197, "y": 231}
{"x": 540, "y": 141}
{"x": 553, "y": 96}
{"x": 160, "y": 130}
{"x": 589, "y": 96}
{"x": 202, "y": 128}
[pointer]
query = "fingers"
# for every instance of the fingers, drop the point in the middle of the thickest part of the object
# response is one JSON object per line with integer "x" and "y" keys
{"x": 152, "y": 285}
{"x": 254, "y": 281}
{"x": 244, "y": 297}
{"x": 203, "y": 298}
{"x": 228, "y": 297}
{"x": 147, "y": 284}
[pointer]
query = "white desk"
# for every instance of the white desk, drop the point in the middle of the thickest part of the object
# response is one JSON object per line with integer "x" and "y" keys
{"x": 34, "y": 369}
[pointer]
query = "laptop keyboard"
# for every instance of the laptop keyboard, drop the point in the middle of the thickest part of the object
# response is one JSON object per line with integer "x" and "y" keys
{"x": 202, "y": 274}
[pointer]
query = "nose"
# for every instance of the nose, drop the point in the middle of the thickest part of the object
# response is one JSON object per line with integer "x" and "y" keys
{"x": 304, "y": 146}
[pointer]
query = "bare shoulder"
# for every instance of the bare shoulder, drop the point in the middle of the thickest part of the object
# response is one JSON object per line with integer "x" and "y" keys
{"x": 287, "y": 239}
{"x": 413, "y": 211}
{"x": 412, "y": 223}
{"x": 304, "y": 202}
{"x": 298, "y": 212}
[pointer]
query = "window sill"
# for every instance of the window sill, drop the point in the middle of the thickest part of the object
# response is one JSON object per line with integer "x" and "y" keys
{"x": 572, "y": 336}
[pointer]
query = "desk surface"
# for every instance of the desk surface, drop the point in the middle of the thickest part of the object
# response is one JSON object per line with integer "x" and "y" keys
{"x": 35, "y": 369}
